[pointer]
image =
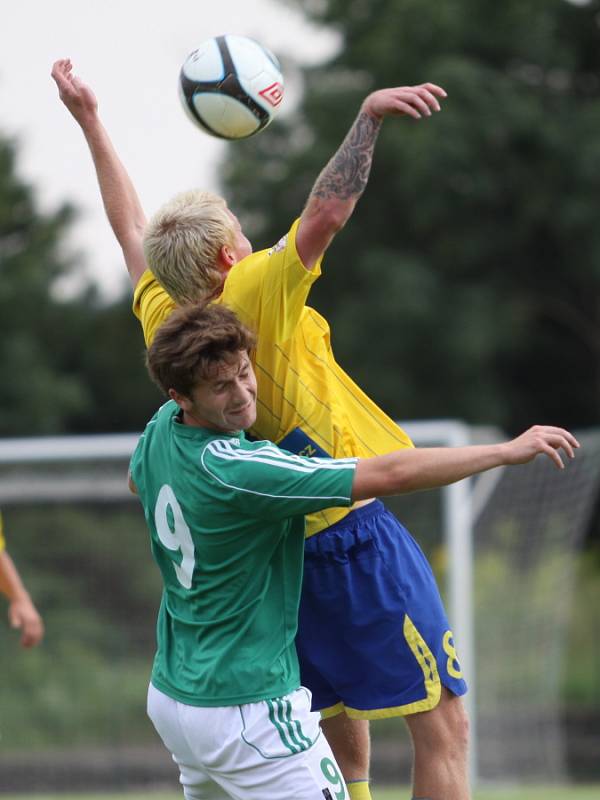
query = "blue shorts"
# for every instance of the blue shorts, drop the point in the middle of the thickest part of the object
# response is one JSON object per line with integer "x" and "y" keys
{"x": 373, "y": 636}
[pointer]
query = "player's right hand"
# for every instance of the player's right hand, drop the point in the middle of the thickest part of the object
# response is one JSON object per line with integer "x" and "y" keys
{"x": 75, "y": 94}
{"x": 413, "y": 101}
{"x": 23, "y": 614}
{"x": 541, "y": 439}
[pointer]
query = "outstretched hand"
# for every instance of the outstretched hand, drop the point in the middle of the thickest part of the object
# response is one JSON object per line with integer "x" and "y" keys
{"x": 75, "y": 94}
{"x": 413, "y": 101}
{"x": 541, "y": 439}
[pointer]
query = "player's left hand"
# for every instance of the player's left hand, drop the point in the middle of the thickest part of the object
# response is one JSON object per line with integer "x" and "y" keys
{"x": 413, "y": 101}
{"x": 23, "y": 615}
{"x": 75, "y": 94}
{"x": 540, "y": 440}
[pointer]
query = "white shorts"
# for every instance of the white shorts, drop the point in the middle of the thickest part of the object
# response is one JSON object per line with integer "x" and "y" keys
{"x": 271, "y": 750}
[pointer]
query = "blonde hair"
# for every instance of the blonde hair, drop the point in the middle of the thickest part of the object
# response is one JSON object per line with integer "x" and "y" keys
{"x": 182, "y": 243}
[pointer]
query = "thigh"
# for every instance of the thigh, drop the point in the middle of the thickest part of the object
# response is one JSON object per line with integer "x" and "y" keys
{"x": 166, "y": 715}
{"x": 268, "y": 750}
{"x": 280, "y": 752}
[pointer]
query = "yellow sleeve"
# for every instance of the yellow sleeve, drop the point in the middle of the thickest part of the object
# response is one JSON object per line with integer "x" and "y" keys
{"x": 268, "y": 289}
{"x": 151, "y": 305}
{"x": 2, "y": 542}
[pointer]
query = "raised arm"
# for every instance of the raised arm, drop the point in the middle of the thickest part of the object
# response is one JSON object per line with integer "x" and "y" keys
{"x": 120, "y": 199}
{"x": 343, "y": 180}
{"x": 429, "y": 467}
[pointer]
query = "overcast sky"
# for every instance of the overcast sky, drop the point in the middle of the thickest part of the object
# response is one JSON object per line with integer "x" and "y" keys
{"x": 130, "y": 52}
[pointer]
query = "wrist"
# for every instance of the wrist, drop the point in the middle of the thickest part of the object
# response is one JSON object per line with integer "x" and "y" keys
{"x": 502, "y": 452}
{"x": 369, "y": 110}
{"x": 89, "y": 122}
{"x": 20, "y": 596}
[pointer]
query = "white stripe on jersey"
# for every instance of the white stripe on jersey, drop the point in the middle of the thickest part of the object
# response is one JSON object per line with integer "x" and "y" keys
{"x": 223, "y": 449}
{"x": 270, "y": 454}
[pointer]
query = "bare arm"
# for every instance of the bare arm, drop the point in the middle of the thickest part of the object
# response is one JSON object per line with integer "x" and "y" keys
{"x": 21, "y": 610}
{"x": 426, "y": 468}
{"x": 120, "y": 199}
{"x": 342, "y": 182}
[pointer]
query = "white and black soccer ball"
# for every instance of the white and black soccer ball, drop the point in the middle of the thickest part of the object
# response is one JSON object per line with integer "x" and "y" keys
{"x": 231, "y": 86}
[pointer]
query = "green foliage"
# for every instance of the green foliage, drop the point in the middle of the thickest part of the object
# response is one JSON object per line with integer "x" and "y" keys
{"x": 73, "y": 366}
{"x": 581, "y": 676}
{"x": 30, "y": 260}
{"x": 473, "y": 262}
{"x": 91, "y": 574}
{"x": 473, "y": 258}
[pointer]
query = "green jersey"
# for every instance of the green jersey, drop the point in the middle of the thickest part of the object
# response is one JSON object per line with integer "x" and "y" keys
{"x": 226, "y": 520}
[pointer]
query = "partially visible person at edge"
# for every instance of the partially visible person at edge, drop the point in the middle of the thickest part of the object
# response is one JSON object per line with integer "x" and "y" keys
{"x": 226, "y": 518}
{"x": 394, "y": 654}
{"x": 22, "y": 614}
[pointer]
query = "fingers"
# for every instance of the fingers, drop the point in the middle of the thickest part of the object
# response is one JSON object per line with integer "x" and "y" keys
{"x": 427, "y": 93}
{"x": 559, "y": 438}
{"x": 14, "y": 618}
{"x": 27, "y": 639}
{"x": 552, "y": 440}
{"x": 551, "y": 429}
{"x": 33, "y": 632}
{"x": 548, "y": 440}
{"x": 553, "y": 455}
{"x": 402, "y": 107}
{"x": 61, "y": 69}
{"x": 29, "y": 622}
{"x": 434, "y": 89}
{"x": 417, "y": 101}
{"x": 412, "y": 101}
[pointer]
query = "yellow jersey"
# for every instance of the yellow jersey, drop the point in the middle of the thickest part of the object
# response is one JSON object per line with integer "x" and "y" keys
{"x": 2, "y": 542}
{"x": 306, "y": 403}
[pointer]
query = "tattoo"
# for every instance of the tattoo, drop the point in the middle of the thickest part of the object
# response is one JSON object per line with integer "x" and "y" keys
{"x": 347, "y": 173}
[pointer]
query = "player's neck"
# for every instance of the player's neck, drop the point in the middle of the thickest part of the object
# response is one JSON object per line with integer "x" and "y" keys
{"x": 195, "y": 421}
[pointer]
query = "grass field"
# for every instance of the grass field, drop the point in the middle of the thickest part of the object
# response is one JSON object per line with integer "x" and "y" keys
{"x": 387, "y": 793}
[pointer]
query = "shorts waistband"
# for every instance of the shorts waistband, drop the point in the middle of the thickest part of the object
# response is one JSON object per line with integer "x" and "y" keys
{"x": 358, "y": 514}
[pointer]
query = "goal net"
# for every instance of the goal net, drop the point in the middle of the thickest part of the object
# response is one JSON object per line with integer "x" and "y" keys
{"x": 72, "y": 712}
{"x": 526, "y": 536}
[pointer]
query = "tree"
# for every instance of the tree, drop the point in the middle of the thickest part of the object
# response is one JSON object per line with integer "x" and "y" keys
{"x": 473, "y": 260}
{"x": 67, "y": 366}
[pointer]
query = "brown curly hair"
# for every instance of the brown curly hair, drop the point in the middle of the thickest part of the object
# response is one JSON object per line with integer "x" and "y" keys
{"x": 191, "y": 345}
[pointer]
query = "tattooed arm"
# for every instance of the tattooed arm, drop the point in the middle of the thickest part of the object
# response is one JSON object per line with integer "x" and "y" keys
{"x": 341, "y": 183}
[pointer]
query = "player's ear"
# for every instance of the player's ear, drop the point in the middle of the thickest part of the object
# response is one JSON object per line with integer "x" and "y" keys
{"x": 226, "y": 258}
{"x": 182, "y": 401}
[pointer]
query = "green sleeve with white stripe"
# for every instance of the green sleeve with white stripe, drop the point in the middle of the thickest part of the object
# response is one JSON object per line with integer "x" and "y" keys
{"x": 263, "y": 481}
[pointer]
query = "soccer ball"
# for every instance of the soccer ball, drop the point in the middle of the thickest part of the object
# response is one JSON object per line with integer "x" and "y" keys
{"x": 231, "y": 86}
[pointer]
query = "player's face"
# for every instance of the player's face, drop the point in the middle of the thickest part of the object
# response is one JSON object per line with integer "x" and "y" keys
{"x": 241, "y": 245}
{"x": 227, "y": 400}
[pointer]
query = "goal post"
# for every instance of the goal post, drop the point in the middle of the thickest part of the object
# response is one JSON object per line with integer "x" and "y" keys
{"x": 92, "y": 482}
{"x": 458, "y": 503}
{"x": 510, "y": 537}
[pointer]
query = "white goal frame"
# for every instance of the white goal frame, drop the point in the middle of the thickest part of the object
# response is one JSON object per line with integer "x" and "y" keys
{"x": 459, "y": 503}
